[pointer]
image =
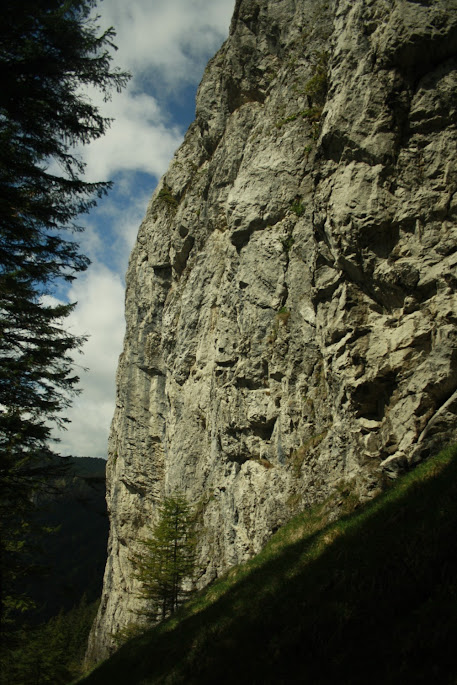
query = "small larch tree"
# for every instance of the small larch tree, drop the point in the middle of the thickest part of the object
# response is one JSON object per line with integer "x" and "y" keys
{"x": 165, "y": 564}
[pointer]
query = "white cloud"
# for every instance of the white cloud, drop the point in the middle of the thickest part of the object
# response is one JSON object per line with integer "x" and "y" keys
{"x": 100, "y": 297}
{"x": 165, "y": 44}
{"x": 169, "y": 39}
{"x": 138, "y": 139}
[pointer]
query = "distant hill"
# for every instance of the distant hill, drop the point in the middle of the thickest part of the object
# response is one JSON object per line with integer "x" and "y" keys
{"x": 73, "y": 556}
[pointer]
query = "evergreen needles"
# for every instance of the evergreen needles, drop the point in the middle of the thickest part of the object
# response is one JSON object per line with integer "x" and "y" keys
{"x": 50, "y": 52}
{"x": 167, "y": 559}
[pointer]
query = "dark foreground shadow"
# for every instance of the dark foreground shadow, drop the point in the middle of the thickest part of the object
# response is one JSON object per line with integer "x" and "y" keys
{"x": 377, "y": 606}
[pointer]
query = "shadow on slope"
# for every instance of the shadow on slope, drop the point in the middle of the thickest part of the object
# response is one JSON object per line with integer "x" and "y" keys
{"x": 371, "y": 598}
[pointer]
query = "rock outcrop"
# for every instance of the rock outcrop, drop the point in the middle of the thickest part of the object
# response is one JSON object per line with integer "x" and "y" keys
{"x": 291, "y": 299}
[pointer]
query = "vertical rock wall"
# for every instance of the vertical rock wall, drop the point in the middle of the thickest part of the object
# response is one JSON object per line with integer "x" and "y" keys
{"x": 291, "y": 304}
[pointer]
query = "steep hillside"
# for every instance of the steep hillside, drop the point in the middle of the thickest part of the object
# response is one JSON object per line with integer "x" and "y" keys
{"x": 291, "y": 297}
{"x": 368, "y": 599}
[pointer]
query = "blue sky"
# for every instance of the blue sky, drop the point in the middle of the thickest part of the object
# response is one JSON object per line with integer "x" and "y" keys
{"x": 165, "y": 44}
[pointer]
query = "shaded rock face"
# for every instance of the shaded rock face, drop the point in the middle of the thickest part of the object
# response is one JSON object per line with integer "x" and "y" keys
{"x": 291, "y": 304}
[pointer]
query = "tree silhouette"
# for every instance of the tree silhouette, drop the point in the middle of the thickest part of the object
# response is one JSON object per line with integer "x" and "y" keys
{"x": 50, "y": 52}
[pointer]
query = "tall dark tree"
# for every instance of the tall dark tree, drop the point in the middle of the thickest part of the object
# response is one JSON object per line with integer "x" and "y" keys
{"x": 50, "y": 52}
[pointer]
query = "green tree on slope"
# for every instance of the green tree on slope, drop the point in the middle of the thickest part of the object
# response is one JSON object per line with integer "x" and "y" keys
{"x": 167, "y": 559}
{"x": 50, "y": 51}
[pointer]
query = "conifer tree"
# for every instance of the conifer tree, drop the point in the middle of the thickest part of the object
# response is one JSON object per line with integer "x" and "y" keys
{"x": 167, "y": 559}
{"x": 50, "y": 50}
{"x": 52, "y": 652}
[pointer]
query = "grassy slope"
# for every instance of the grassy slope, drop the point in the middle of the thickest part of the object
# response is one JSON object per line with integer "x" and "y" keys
{"x": 371, "y": 598}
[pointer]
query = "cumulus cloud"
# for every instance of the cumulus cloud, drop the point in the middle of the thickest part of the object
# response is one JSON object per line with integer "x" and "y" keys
{"x": 165, "y": 45}
{"x": 138, "y": 139}
{"x": 167, "y": 41}
{"x": 99, "y": 314}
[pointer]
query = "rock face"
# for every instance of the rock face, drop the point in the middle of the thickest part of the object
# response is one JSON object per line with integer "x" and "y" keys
{"x": 291, "y": 299}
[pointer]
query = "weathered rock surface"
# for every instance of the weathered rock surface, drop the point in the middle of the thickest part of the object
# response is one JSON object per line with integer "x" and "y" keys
{"x": 291, "y": 301}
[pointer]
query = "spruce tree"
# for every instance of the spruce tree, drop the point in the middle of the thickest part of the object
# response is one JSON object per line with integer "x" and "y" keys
{"x": 50, "y": 51}
{"x": 167, "y": 559}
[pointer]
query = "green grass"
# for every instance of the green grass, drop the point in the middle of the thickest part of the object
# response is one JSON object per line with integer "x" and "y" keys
{"x": 368, "y": 599}
{"x": 167, "y": 196}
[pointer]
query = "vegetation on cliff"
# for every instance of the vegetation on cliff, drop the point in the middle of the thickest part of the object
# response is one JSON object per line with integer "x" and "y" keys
{"x": 370, "y": 597}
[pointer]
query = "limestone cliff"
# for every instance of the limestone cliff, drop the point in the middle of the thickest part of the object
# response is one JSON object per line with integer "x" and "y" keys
{"x": 291, "y": 299}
